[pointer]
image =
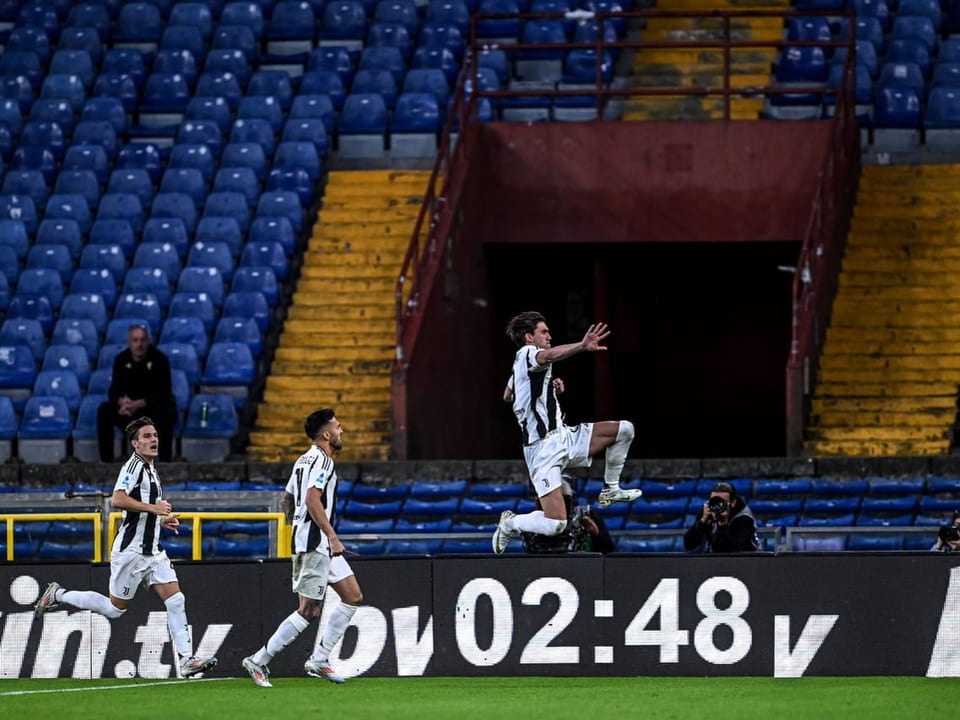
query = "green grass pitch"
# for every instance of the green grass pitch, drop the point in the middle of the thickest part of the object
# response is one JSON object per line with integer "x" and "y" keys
{"x": 535, "y": 698}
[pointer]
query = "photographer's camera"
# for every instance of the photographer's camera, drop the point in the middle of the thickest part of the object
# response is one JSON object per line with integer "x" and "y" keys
{"x": 716, "y": 505}
{"x": 949, "y": 533}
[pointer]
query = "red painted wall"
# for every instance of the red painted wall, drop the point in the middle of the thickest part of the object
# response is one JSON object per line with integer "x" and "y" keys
{"x": 700, "y": 337}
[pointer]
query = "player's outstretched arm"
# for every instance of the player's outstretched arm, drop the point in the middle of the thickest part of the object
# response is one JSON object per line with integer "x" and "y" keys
{"x": 591, "y": 342}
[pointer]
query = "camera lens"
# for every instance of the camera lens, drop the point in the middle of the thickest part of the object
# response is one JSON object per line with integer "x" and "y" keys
{"x": 716, "y": 505}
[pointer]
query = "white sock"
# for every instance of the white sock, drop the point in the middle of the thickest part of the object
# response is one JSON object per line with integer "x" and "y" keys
{"x": 335, "y": 628}
{"x": 90, "y": 600}
{"x": 616, "y": 455}
{"x": 288, "y": 631}
{"x": 537, "y": 522}
{"x": 178, "y": 626}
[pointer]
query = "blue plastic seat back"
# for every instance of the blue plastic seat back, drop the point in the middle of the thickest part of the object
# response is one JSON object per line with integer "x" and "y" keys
{"x": 896, "y": 107}
{"x": 152, "y": 280}
{"x": 246, "y": 14}
{"x": 30, "y": 183}
{"x": 31, "y": 307}
{"x": 60, "y": 358}
{"x": 86, "y": 425}
{"x": 79, "y": 182}
{"x": 22, "y": 208}
{"x": 42, "y": 281}
{"x": 90, "y": 156}
{"x": 282, "y": 203}
{"x": 229, "y": 363}
{"x": 183, "y": 357}
{"x": 104, "y": 257}
{"x": 213, "y": 109}
{"x": 241, "y": 180}
{"x": 80, "y": 331}
{"x": 175, "y": 205}
{"x": 194, "y": 305}
{"x": 13, "y": 234}
{"x": 271, "y": 83}
{"x": 386, "y": 58}
{"x": 416, "y": 113}
{"x": 237, "y": 38}
{"x": 100, "y": 380}
{"x": 86, "y": 306}
{"x": 163, "y": 256}
{"x": 212, "y": 254}
{"x": 440, "y": 58}
{"x": 315, "y": 106}
{"x": 393, "y": 34}
{"x": 256, "y": 279}
{"x": 57, "y": 383}
{"x": 248, "y": 305}
{"x": 63, "y": 232}
{"x": 331, "y": 57}
{"x": 451, "y": 12}
{"x": 139, "y": 307}
{"x": 217, "y": 228}
{"x": 943, "y": 108}
{"x": 221, "y": 416}
{"x": 125, "y": 61}
{"x": 312, "y": 130}
{"x": 243, "y": 330}
{"x": 202, "y": 279}
{"x": 188, "y": 180}
{"x": 249, "y": 155}
{"x": 273, "y": 229}
{"x": 344, "y": 19}
{"x": 254, "y": 130}
{"x": 167, "y": 231}
{"x": 138, "y": 22}
{"x": 229, "y": 204}
{"x": 203, "y": 132}
{"x": 18, "y": 365}
{"x": 122, "y": 206}
{"x": 186, "y": 330}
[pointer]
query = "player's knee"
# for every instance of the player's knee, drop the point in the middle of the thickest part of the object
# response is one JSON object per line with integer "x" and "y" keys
{"x": 626, "y": 430}
{"x": 113, "y": 612}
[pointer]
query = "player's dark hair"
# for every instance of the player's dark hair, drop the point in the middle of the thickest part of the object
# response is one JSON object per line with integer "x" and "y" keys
{"x": 316, "y": 421}
{"x": 133, "y": 427}
{"x": 520, "y": 325}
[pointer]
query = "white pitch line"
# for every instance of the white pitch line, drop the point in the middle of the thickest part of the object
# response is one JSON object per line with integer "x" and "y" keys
{"x": 110, "y": 687}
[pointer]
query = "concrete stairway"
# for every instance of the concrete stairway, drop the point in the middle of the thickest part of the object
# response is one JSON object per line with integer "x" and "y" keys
{"x": 338, "y": 341}
{"x": 702, "y": 67}
{"x": 890, "y": 368}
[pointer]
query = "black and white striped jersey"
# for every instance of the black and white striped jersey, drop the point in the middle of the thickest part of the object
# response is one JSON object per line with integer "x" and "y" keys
{"x": 312, "y": 469}
{"x": 139, "y": 531}
{"x": 534, "y": 398}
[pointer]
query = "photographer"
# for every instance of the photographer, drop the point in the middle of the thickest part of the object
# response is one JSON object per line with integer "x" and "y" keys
{"x": 584, "y": 533}
{"x": 948, "y": 536}
{"x": 725, "y": 524}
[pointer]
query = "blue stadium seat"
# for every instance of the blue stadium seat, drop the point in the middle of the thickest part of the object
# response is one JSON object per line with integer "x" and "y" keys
{"x": 331, "y": 57}
{"x": 13, "y": 234}
{"x": 53, "y": 257}
{"x": 885, "y": 519}
{"x": 291, "y": 28}
{"x": 217, "y": 228}
{"x": 229, "y": 204}
{"x": 85, "y": 427}
{"x": 346, "y": 21}
{"x": 37, "y": 158}
{"x": 61, "y": 358}
{"x": 198, "y": 305}
{"x": 220, "y": 84}
{"x": 55, "y": 383}
{"x": 202, "y": 279}
{"x": 190, "y": 155}
{"x": 281, "y": 203}
{"x": 221, "y": 416}
{"x": 31, "y": 307}
{"x": 273, "y": 229}
{"x": 188, "y": 180}
{"x": 299, "y": 153}
{"x": 121, "y": 88}
{"x": 182, "y": 392}
{"x": 896, "y": 107}
{"x": 865, "y": 28}
{"x": 210, "y": 109}
{"x": 56, "y": 110}
{"x": 79, "y": 182}
{"x": 930, "y": 9}
{"x": 356, "y": 509}
{"x": 256, "y": 279}
{"x": 864, "y": 543}
{"x": 292, "y": 179}
{"x": 18, "y": 366}
{"x": 63, "y": 232}
{"x": 228, "y": 364}
{"x": 249, "y": 155}
{"x": 44, "y": 134}
{"x": 244, "y": 330}
{"x": 140, "y": 307}
{"x": 30, "y": 39}
{"x": 242, "y": 180}
{"x": 193, "y": 14}
{"x": 264, "y": 108}
{"x": 450, "y": 12}
{"x": 80, "y": 331}
{"x": 254, "y": 130}
{"x": 15, "y": 63}
{"x": 41, "y": 281}
{"x": 390, "y": 34}
{"x": 21, "y": 208}
{"x": 271, "y": 83}
{"x": 175, "y": 205}
{"x": 89, "y": 157}
{"x": 133, "y": 181}
{"x": 167, "y": 231}
{"x": 65, "y": 87}
{"x": 413, "y": 547}
{"x": 202, "y": 132}
{"x": 247, "y": 305}
{"x": 87, "y": 306}
{"x": 30, "y": 183}
{"x": 943, "y": 108}
{"x": 186, "y": 330}
{"x": 245, "y": 14}
{"x": 266, "y": 253}
{"x": 162, "y": 256}
{"x": 891, "y": 504}
{"x": 18, "y": 88}
{"x": 322, "y": 83}
{"x": 347, "y": 526}
{"x": 440, "y": 58}
{"x": 90, "y": 15}
{"x": 105, "y": 109}
{"x": 110, "y": 350}
{"x": 183, "y": 357}
{"x": 139, "y": 25}
{"x": 389, "y": 59}
{"x": 401, "y": 12}
{"x": 104, "y": 257}
{"x": 943, "y": 484}
{"x": 314, "y": 106}
{"x": 122, "y": 206}
{"x": 130, "y": 62}
{"x": 148, "y": 280}
{"x": 416, "y": 112}
{"x": 878, "y": 9}
{"x": 424, "y": 489}
{"x": 236, "y": 38}
{"x": 185, "y": 39}
{"x": 214, "y": 254}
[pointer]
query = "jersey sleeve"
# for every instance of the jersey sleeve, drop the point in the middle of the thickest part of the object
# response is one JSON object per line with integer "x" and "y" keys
{"x": 125, "y": 482}
{"x": 528, "y": 353}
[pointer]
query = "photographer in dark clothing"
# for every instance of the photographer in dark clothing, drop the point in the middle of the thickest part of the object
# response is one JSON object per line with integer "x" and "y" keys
{"x": 725, "y": 524}
{"x": 948, "y": 536}
{"x": 585, "y": 532}
{"x": 141, "y": 386}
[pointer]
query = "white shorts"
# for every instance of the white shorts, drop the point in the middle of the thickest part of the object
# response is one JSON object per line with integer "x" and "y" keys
{"x": 313, "y": 571}
{"x": 566, "y": 447}
{"x": 130, "y": 570}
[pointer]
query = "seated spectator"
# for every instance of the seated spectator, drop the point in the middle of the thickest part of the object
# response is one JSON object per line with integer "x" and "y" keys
{"x": 141, "y": 386}
{"x": 725, "y": 524}
{"x": 585, "y": 532}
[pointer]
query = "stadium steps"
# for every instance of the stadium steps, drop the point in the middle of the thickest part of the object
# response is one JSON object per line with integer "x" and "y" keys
{"x": 338, "y": 341}
{"x": 890, "y": 366}
{"x": 702, "y": 67}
